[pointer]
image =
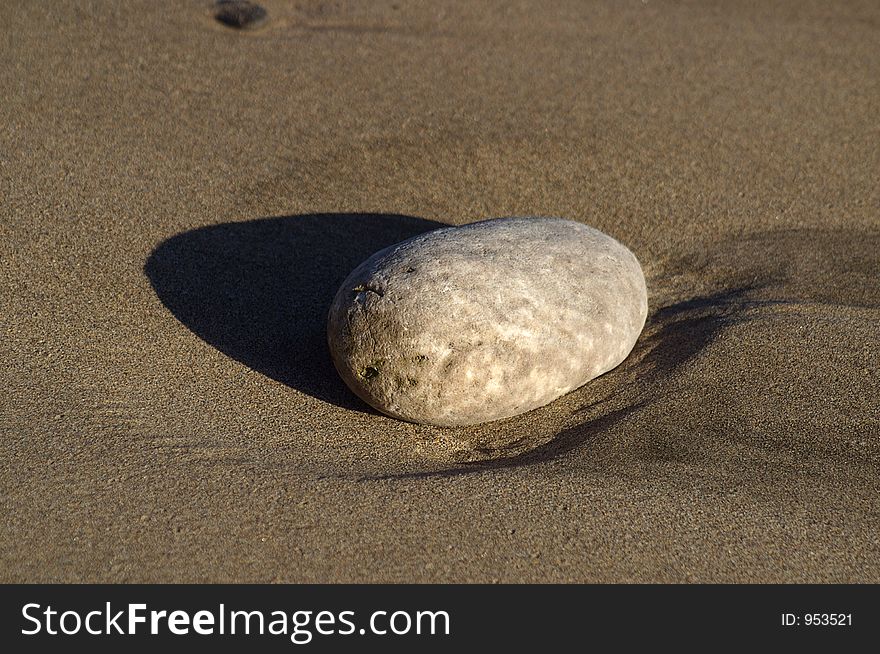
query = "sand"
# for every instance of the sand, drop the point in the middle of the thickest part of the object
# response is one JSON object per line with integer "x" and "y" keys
{"x": 179, "y": 201}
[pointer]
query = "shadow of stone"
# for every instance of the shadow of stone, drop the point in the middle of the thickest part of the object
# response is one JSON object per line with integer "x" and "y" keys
{"x": 259, "y": 291}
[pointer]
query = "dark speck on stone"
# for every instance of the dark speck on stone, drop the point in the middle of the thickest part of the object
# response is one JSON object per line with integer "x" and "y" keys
{"x": 240, "y": 14}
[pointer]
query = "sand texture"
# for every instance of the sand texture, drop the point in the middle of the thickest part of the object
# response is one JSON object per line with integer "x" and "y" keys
{"x": 180, "y": 200}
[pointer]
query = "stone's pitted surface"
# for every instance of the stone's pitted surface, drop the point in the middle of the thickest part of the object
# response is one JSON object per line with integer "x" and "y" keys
{"x": 469, "y": 324}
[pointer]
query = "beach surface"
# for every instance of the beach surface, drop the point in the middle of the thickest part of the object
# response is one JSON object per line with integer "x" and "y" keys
{"x": 180, "y": 200}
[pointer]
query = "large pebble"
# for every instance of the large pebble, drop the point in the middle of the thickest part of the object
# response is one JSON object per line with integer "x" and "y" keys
{"x": 469, "y": 324}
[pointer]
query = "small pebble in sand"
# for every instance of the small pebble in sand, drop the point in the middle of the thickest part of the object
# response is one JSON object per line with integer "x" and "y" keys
{"x": 469, "y": 324}
{"x": 240, "y": 14}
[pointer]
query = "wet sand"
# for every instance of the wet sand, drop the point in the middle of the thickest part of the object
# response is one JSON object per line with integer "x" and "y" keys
{"x": 180, "y": 201}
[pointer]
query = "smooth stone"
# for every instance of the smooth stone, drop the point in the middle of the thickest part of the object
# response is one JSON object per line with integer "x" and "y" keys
{"x": 464, "y": 325}
{"x": 240, "y": 14}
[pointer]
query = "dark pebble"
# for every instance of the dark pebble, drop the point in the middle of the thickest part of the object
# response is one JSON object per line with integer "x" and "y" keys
{"x": 240, "y": 14}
